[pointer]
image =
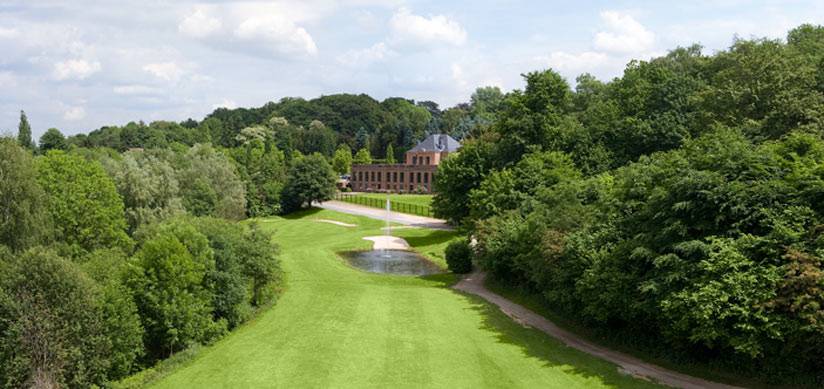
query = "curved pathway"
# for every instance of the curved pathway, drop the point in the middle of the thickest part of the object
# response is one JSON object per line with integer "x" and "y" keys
{"x": 474, "y": 284}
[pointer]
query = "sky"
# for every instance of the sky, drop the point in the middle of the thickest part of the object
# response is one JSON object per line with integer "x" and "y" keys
{"x": 82, "y": 64}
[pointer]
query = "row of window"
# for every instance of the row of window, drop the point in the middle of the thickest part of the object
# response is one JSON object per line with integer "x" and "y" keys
{"x": 365, "y": 186}
{"x": 392, "y": 177}
{"x": 419, "y": 160}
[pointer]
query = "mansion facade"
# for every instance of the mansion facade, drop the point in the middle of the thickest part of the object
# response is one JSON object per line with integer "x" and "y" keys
{"x": 414, "y": 175}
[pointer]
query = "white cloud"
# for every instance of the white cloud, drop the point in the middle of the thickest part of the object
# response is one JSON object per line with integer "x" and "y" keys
{"x": 587, "y": 60}
{"x": 226, "y": 103}
{"x": 76, "y": 69}
{"x": 168, "y": 71}
{"x": 135, "y": 89}
{"x": 74, "y": 113}
{"x": 625, "y": 34}
{"x": 7, "y": 80}
{"x": 376, "y": 53}
{"x": 410, "y": 28}
{"x": 458, "y": 75}
{"x": 199, "y": 24}
{"x": 278, "y": 34}
{"x": 8, "y": 33}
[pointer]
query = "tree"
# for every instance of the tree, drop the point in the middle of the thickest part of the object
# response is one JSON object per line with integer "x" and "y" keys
{"x": 390, "y": 154}
{"x": 121, "y": 320}
{"x": 342, "y": 161}
{"x": 83, "y": 202}
{"x": 310, "y": 179}
{"x": 24, "y": 132}
{"x": 317, "y": 138}
{"x": 149, "y": 188}
{"x": 457, "y": 176}
{"x": 24, "y": 218}
{"x": 52, "y": 139}
{"x": 362, "y": 157}
{"x": 52, "y": 327}
{"x": 167, "y": 282}
{"x": 210, "y": 185}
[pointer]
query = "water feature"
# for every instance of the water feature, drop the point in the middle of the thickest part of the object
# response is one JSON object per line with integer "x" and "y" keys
{"x": 392, "y": 262}
{"x": 388, "y": 259}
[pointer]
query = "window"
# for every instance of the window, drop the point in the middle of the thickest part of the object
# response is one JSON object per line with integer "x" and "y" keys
{"x": 395, "y": 177}
{"x": 401, "y": 177}
{"x": 410, "y": 188}
{"x": 360, "y": 176}
{"x": 426, "y": 178}
{"x": 414, "y": 159}
{"x": 373, "y": 176}
{"x": 379, "y": 178}
{"x": 419, "y": 177}
{"x": 427, "y": 160}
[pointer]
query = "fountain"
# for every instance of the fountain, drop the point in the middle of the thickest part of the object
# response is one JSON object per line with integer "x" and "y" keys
{"x": 391, "y": 255}
{"x": 388, "y": 228}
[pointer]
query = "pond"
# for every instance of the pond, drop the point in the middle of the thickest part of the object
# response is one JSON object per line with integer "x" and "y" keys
{"x": 391, "y": 262}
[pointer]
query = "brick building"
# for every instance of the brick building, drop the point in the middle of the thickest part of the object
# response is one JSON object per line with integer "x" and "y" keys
{"x": 414, "y": 175}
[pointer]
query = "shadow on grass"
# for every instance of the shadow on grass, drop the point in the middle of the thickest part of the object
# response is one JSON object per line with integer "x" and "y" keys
{"x": 550, "y": 351}
{"x": 434, "y": 237}
{"x": 302, "y": 213}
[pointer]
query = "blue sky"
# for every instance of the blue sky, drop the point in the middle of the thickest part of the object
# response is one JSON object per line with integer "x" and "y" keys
{"x": 78, "y": 65}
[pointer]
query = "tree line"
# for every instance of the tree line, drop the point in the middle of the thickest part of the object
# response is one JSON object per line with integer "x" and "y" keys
{"x": 110, "y": 262}
{"x": 677, "y": 207}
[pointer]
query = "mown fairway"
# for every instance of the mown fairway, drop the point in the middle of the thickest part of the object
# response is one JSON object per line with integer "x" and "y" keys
{"x": 338, "y": 327}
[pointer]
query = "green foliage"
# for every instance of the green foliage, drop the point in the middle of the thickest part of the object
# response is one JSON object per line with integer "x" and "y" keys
{"x": 362, "y": 157}
{"x": 713, "y": 247}
{"x": 52, "y": 326}
{"x": 23, "y": 213}
{"x": 459, "y": 257}
{"x": 342, "y": 160}
{"x": 168, "y": 281}
{"x": 85, "y": 208}
{"x": 317, "y": 138}
{"x": 390, "y": 154}
{"x": 246, "y": 268}
{"x": 310, "y": 179}
{"x": 457, "y": 176}
{"x": 120, "y": 315}
{"x": 209, "y": 184}
{"x": 52, "y": 139}
{"x": 149, "y": 188}
{"x": 24, "y": 132}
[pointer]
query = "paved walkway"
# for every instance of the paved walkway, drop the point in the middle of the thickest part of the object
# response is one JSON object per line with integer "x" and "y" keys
{"x": 380, "y": 214}
{"x": 474, "y": 284}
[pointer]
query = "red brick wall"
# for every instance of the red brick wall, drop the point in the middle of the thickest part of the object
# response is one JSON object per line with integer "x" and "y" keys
{"x": 392, "y": 178}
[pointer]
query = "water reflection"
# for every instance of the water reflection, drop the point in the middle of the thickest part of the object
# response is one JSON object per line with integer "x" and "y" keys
{"x": 392, "y": 262}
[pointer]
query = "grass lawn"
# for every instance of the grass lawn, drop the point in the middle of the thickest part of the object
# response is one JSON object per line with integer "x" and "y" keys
{"x": 415, "y": 204}
{"x": 418, "y": 199}
{"x": 335, "y": 326}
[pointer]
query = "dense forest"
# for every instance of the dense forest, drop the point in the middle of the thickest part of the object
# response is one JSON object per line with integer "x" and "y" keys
{"x": 679, "y": 206}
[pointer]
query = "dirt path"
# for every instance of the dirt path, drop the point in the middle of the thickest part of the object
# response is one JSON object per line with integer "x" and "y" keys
{"x": 380, "y": 214}
{"x": 474, "y": 284}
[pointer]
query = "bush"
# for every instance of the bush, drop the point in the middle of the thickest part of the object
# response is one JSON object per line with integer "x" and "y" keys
{"x": 459, "y": 257}
{"x": 52, "y": 326}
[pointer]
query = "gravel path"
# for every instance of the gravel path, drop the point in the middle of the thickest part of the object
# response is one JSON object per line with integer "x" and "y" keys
{"x": 474, "y": 284}
{"x": 380, "y": 214}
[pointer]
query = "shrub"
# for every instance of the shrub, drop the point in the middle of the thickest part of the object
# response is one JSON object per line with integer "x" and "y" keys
{"x": 52, "y": 326}
{"x": 459, "y": 257}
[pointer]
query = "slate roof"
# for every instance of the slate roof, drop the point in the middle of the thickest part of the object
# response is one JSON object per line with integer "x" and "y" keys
{"x": 438, "y": 142}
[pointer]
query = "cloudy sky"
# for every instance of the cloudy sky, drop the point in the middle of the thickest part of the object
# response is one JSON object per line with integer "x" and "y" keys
{"x": 77, "y": 65}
